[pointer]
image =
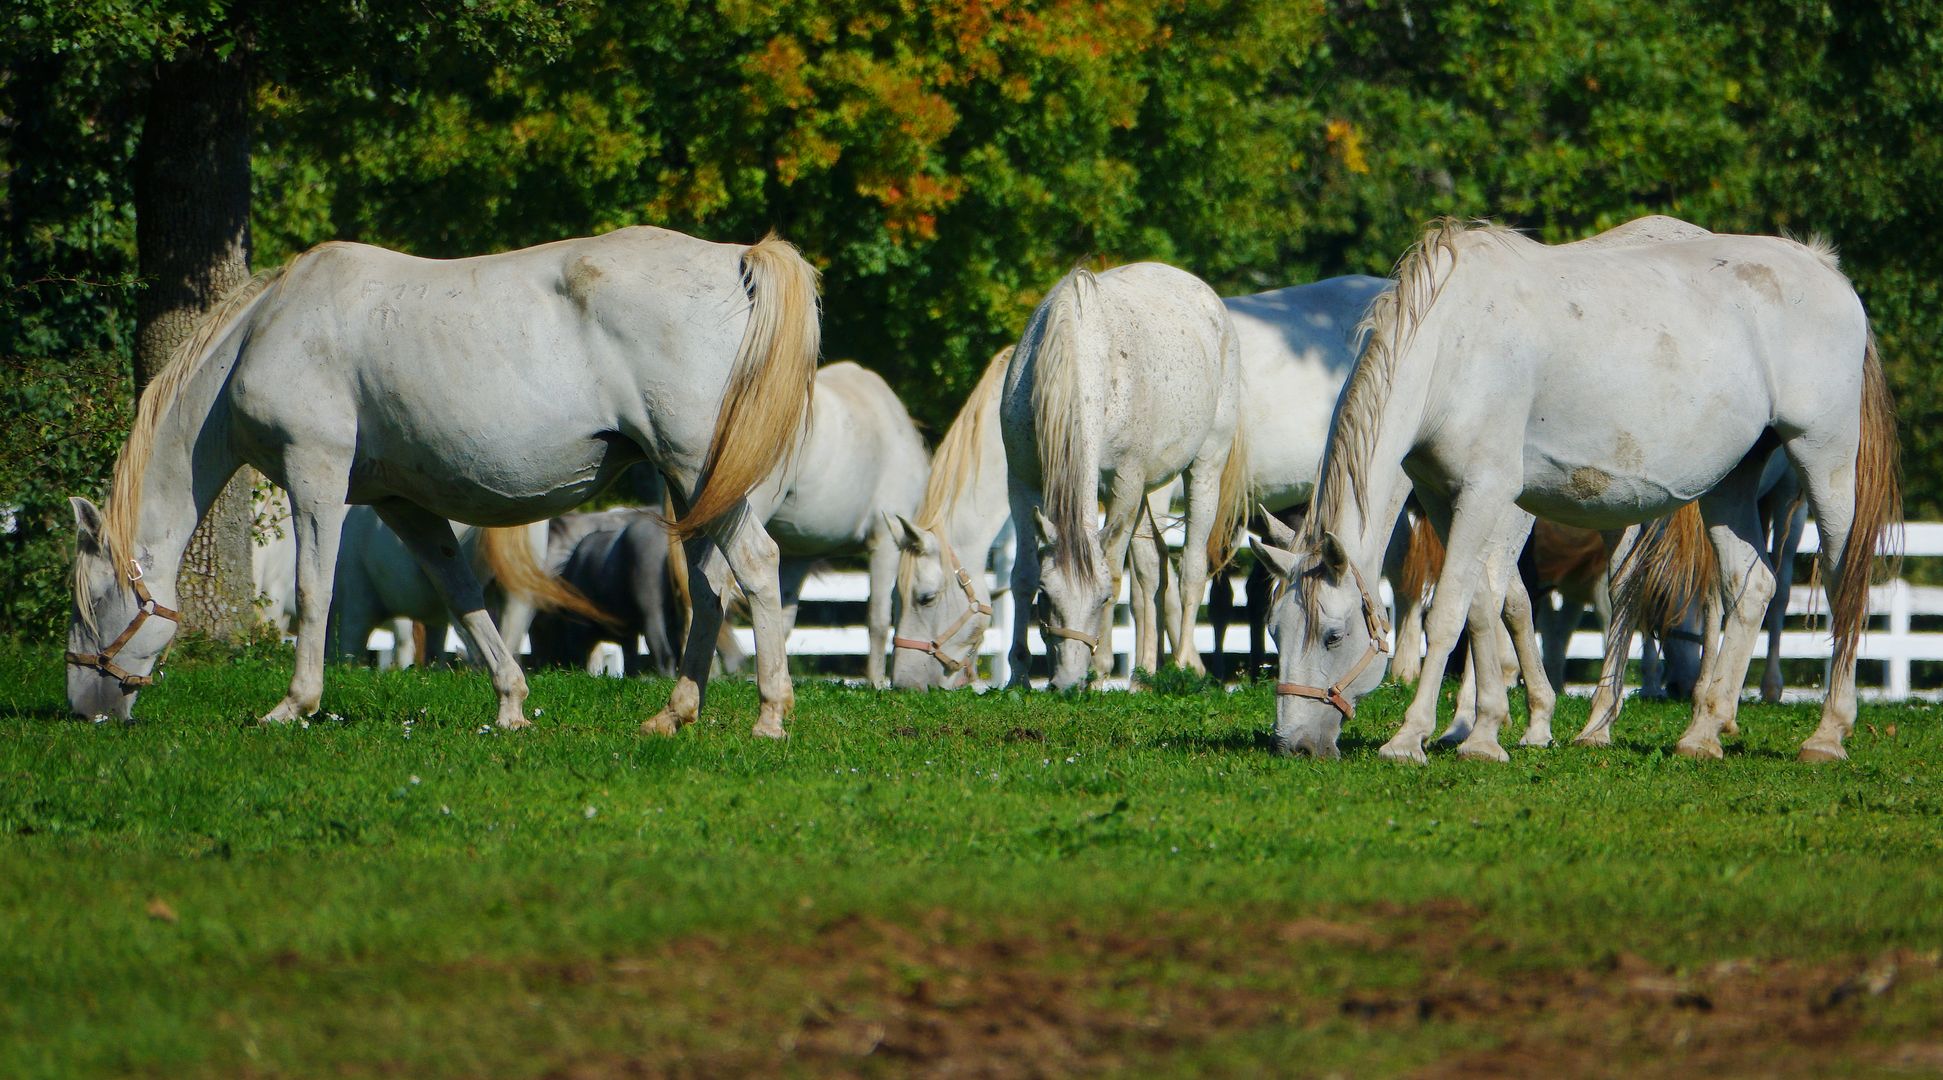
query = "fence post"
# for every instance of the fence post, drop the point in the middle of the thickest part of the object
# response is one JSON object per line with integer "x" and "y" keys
{"x": 1900, "y": 596}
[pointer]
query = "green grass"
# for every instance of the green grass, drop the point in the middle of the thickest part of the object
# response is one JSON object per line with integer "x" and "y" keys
{"x": 1009, "y": 882}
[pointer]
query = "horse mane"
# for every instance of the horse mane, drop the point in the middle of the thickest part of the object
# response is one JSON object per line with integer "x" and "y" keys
{"x": 1071, "y": 499}
{"x": 956, "y": 464}
{"x": 1387, "y": 329}
{"x": 124, "y": 504}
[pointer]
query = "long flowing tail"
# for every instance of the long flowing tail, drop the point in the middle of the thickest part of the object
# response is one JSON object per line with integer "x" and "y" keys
{"x": 1878, "y": 509}
{"x": 769, "y": 386}
{"x": 510, "y": 558}
{"x": 1669, "y": 569}
{"x": 1232, "y": 503}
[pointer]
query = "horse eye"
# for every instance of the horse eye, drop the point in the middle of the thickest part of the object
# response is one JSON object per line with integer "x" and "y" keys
{"x": 1332, "y": 639}
{"x": 927, "y": 599}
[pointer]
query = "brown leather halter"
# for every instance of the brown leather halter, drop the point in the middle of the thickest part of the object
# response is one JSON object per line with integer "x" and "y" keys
{"x": 1379, "y": 629}
{"x": 145, "y": 606}
{"x": 935, "y": 648}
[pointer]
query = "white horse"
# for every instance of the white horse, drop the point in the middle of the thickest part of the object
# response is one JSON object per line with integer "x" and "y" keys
{"x": 495, "y": 390}
{"x": 1601, "y": 386}
{"x": 1122, "y": 381}
{"x": 860, "y": 462}
{"x": 945, "y": 604}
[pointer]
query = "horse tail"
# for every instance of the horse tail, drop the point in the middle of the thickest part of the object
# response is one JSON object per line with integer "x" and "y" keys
{"x": 1423, "y": 562}
{"x": 769, "y": 387}
{"x": 1670, "y": 567}
{"x": 1878, "y": 508}
{"x": 678, "y": 573}
{"x": 1231, "y": 505}
{"x": 509, "y": 556}
{"x": 1058, "y": 421}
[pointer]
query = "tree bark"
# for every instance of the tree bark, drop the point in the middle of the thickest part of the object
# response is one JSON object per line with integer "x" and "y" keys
{"x": 192, "y": 233}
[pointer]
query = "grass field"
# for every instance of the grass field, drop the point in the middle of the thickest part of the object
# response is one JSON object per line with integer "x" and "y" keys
{"x": 941, "y": 885}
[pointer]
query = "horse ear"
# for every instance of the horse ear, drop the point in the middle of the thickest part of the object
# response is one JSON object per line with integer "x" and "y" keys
{"x": 1280, "y": 561}
{"x": 1335, "y": 560}
{"x": 1048, "y": 532}
{"x": 1279, "y": 534}
{"x": 87, "y": 523}
{"x": 909, "y": 537}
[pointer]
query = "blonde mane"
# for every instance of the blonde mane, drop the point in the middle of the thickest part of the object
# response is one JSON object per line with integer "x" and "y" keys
{"x": 1071, "y": 498}
{"x": 956, "y": 464}
{"x": 123, "y": 509}
{"x": 1391, "y": 326}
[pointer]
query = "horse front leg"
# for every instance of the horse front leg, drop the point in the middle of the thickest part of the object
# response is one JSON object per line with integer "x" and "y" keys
{"x": 317, "y": 519}
{"x": 1025, "y": 582}
{"x": 1203, "y": 508}
{"x": 1121, "y": 533}
{"x": 1467, "y": 554}
{"x": 1148, "y": 563}
{"x": 431, "y": 541}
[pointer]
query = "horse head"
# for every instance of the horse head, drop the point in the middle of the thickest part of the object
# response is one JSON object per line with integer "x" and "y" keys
{"x": 944, "y": 613}
{"x": 1074, "y": 589}
{"x": 1328, "y": 633}
{"x": 118, "y": 631}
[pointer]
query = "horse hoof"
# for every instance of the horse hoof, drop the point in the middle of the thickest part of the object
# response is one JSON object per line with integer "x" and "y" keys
{"x": 1601, "y": 737}
{"x": 1821, "y": 752}
{"x": 1395, "y": 750}
{"x": 769, "y": 729}
{"x": 1541, "y": 741}
{"x": 517, "y": 723}
{"x": 1699, "y": 749}
{"x": 1488, "y": 751}
{"x": 285, "y": 713}
{"x": 663, "y": 723}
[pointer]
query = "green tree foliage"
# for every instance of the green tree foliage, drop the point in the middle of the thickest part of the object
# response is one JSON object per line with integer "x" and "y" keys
{"x": 944, "y": 163}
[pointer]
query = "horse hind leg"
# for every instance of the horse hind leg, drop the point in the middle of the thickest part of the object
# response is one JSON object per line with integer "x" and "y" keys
{"x": 431, "y": 541}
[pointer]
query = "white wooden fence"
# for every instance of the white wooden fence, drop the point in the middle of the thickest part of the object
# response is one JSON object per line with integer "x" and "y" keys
{"x": 1892, "y": 639}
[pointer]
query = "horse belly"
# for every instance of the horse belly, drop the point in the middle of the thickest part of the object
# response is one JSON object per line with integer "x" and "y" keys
{"x": 1615, "y": 478}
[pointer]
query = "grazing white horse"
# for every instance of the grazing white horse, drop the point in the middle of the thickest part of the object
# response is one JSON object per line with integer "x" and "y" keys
{"x": 945, "y": 604}
{"x": 495, "y": 390}
{"x": 1122, "y": 381}
{"x": 861, "y": 460}
{"x": 1600, "y": 386}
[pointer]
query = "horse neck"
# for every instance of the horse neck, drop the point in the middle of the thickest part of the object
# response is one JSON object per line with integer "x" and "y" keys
{"x": 982, "y": 508}
{"x": 190, "y": 461}
{"x": 1364, "y": 526}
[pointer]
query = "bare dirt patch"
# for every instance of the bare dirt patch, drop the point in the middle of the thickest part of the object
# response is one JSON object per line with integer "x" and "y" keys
{"x": 946, "y": 996}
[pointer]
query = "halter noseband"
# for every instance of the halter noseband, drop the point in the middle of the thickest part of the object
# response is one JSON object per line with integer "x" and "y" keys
{"x": 145, "y": 606}
{"x": 1379, "y": 629}
{"x": 935, "y": 648}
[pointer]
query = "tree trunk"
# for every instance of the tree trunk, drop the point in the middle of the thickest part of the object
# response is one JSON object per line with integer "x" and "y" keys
{"x": 192, "y": 232}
